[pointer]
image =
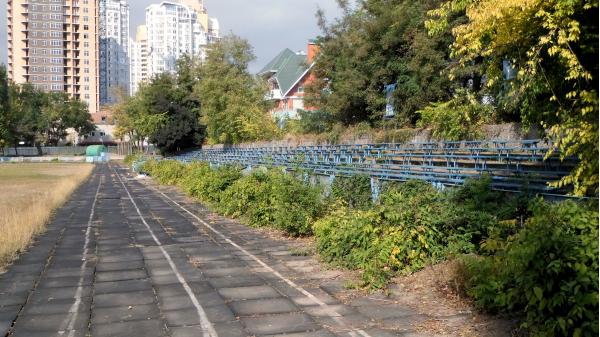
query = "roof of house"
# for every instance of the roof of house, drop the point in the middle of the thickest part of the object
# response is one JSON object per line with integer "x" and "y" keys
{"x": 287, "y": 68}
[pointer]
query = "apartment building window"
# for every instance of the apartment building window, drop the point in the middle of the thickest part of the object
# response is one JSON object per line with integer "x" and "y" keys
{"x": 56, "y": 86}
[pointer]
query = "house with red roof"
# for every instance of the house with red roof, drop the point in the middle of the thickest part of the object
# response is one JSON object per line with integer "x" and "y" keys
{"x": 287, "y": 76}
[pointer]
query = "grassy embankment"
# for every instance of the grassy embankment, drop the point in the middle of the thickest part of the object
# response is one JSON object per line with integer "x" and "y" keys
{"x": 29, "y": 194}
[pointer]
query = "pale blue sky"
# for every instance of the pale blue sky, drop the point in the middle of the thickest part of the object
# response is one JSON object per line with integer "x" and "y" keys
{"x": 269, "y": 25}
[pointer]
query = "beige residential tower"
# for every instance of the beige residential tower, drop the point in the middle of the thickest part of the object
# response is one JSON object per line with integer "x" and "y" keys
{"x": 53, "y": 44}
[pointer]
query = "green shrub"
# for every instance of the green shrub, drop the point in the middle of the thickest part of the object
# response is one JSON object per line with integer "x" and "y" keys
{"x": 295, "y": 204}
{"x": 310, "y": 122}
{"x": 548, "y": 271}
{"x": 355, "y": 191}
{"x": 477, "y": 211}
{"x": 457, "y": 119}
{"x": 276, "y": 199}
{"x": 194, "y": 173}
{"x": 272, "y": 198}
{"x": 167, "y": 172}
{"x": 249, "y": 197}
{"x": 131, "y": 158}
{"x": 216, "y": 181}
{"x": 399, "y": 234}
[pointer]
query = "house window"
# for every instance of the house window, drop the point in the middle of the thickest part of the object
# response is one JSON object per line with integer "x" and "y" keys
{"x": 301, "y": 89}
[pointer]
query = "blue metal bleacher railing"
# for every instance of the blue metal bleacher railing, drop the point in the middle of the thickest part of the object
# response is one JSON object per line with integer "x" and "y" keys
{"x": 513, "y": 165}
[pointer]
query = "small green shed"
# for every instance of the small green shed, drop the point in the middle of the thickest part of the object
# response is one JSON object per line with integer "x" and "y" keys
{"x": 95, "y": 150}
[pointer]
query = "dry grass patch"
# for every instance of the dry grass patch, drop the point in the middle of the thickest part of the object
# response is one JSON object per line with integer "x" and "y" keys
{"x": 29, "y": 192}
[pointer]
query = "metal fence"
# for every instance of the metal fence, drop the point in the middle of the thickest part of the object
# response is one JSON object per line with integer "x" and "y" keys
{"x": 513, "y": 165}
{"x": 48, "y": 151}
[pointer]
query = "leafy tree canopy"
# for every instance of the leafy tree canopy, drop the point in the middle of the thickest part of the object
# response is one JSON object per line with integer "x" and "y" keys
{"x": 233, "y": 107}
{"x": 553, "y": 47}
{"x": 375, "y": 43}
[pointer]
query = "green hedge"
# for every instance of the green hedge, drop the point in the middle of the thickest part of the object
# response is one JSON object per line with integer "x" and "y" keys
{"x": 264, "y": 198}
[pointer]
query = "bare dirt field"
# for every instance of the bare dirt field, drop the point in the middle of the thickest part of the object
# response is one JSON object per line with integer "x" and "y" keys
{"x": 29, "y": 192}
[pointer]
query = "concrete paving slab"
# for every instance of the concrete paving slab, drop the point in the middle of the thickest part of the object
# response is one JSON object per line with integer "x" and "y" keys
{"x": 58, "y": 307}
{"x": 146, "y": 328}
{"x": 114, "y": 266}
{"x": 168, "y": 290}
{"x": 61, "y": 282}
{"x": 318, "y": 310}
{"x": 52, "y": 322}
{"x": 385, "y": 311}
{"x": 9, "y": 300}
{"x": 228, "y": 329}
{"x": 221, "y": 272}
{"x": 120, "y": 275}
{"x": 125, "y": 286}
{"x": 279, "y": 324}
{"x": 233, "y": 281}
{"x": 248, "y": 293}
{"x": 319, "y": 333}
{"x": 125, "y": 313}
{"x": 124, "y": 299}
{"x": 30, "y": 333}
{"x": 189, "y": 316}
{"x": 263, "y": 307}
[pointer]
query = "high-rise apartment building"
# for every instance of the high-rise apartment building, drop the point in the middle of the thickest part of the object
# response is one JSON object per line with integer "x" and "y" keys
{"x": 114, "y": 50}
{"x": 172, "y": 29}
{"x": 139, "y": 58}
{"x": 53, "y": 44}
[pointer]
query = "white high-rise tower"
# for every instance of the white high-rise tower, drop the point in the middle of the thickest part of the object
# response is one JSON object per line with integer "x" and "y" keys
{"x": 172, "y": 29}
{"x": 114, "y": 50}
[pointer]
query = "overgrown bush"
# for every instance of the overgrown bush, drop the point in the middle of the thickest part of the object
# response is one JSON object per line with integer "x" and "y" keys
{"x": 355, "y": 191}
{"x": 167, "y": 172}
{"x": 548, "y": 271}
{"x": 265, "y": 198}
{"x": 274, "y": 198}
{"x": 399, "y": 234}
{"x": 310, "y": 122}
{"x": 457, "y": 119}
{"x": 131, "y": 158}
{"x": 248, "y": 197}
{"x": 209, "y": 184}
{"x": 295, "y": 204}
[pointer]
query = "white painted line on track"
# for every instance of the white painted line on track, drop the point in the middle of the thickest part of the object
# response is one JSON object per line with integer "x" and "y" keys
{"x": 69, "y": 323}
{"x": 207, "y": 328}
{"x": 331, "y": 312}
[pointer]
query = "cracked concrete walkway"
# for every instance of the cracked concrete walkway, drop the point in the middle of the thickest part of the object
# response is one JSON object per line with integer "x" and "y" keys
{"x": 124, "y": 259}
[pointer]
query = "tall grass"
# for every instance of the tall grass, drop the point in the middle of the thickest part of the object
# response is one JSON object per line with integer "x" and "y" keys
{"x": 29, "y": 193}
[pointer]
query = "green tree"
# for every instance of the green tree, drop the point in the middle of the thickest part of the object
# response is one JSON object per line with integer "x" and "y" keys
{"x": 553, "y": 47}
{"x": 165, "y": 111}
{"x": 59, "y": 113}
{"x": 181, "y": 105}
{"x": 375, "y": 43}
{"x": 4, "y": 107}
{"x": 24, "y": 121}
{"x": 233, "y": 107}
{"x": 137, "y": 118}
